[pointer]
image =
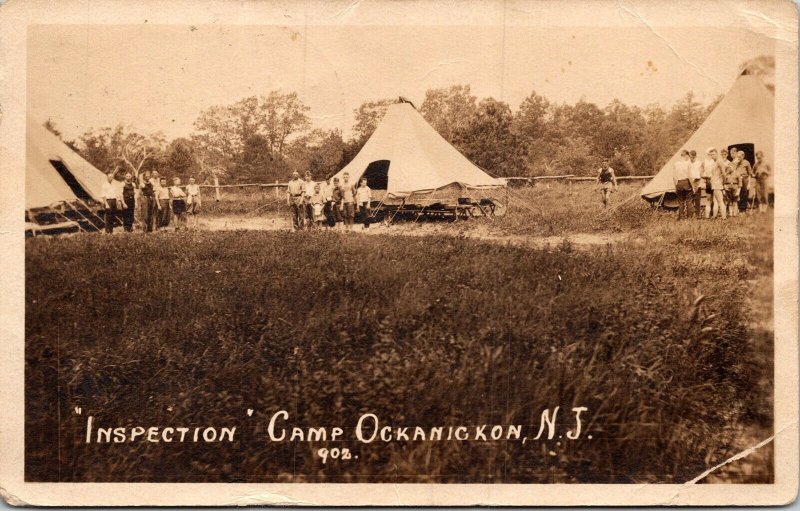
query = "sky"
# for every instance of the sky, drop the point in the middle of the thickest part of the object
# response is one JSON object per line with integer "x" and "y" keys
{"x": 159, "y": 77}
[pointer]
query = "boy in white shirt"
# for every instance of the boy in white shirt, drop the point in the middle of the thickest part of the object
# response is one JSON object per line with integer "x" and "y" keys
{"x": 111, "y": 194}
{"x": 178, "y": 203}
{"x": 162, "y": 201}
{"x": 317, "y": 205}
{"x": 363, "y": 199}
{"x": 193, "y": 201}
{"x": 683, "y": 184}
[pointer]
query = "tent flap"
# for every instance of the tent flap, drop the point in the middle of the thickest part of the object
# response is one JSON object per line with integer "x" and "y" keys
{"x": 47, "y": 158}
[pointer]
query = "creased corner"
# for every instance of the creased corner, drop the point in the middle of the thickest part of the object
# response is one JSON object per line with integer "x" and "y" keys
{"x": 733, "y": 458}
{"x": 350, "y": 7}
{"x": 11, "y": 499}
{"x": 265, "y": 498}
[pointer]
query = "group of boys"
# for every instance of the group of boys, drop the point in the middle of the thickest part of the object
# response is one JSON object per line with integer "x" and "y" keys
{"x": 158, "y": 203}
{"x": 316, "y": 205}
{"x": 724, "y": 182}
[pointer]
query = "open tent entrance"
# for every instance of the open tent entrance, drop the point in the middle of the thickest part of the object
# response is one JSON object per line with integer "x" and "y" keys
{"x": 71, "y": 180}
{"x": 377, "y": 174}
{"x": 748, "y": 150}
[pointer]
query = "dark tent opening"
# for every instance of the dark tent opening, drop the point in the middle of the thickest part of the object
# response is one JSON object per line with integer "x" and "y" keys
{"x": 748, "y": 150}
{"x": 377, "y": 175}
{"x": 71, "y": 181}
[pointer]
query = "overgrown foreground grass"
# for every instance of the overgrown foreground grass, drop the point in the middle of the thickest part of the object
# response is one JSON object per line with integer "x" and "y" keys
{"x": 196, "y": 328}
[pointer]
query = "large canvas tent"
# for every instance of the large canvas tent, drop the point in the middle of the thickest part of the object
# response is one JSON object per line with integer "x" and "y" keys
{"x": 746, "y": 115}
{"x": 406, "y": 156}
{"x": 54, "y": 173}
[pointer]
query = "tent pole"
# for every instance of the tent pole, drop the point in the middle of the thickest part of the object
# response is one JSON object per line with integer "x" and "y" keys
{"x": 81, "y": 214}
{"x": 402, "y": 203}
{"x": 660, "y": 201}
{"x": 33, "y": 219}
{"x": 423, "y": 207}
{"x": 102, "y": 222}
{"x": 80, "y": 229}
{"x": 375, "y": 211}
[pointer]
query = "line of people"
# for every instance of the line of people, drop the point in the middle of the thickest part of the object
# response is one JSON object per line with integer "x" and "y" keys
{"x": 159, "y": 204}
{"x": 316, "y": 205}
{"x": 721, "y": 185}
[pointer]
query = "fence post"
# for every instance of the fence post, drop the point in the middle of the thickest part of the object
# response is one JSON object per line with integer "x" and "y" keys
{"x": 216, "y": 188}
{"x": 277, "y": 195}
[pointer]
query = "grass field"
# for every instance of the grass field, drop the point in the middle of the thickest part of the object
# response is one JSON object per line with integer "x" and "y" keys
{"x": 554, "y": 209}
{"x": 665, "y": 336}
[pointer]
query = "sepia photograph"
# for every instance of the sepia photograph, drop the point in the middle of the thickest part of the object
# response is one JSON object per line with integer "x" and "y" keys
{"x": 490, "y": 244}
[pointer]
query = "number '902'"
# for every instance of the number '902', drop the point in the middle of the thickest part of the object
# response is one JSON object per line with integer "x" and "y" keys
{"x": 334, "y": 454}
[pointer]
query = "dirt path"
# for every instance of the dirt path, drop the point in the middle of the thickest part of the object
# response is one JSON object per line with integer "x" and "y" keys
{"x": 579, "y": 240}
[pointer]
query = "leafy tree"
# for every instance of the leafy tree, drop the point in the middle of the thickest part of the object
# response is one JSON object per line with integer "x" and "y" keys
{"x": 236, "y": 137}
{"x": 136, "y": 151}
{"x": 180, "y": 158}
{"x": 320, "y": 152}
{"x": 367, "y": 117}
{"x": 533, "y": 126}
{"x": 449, "y": 110}
{"x": 100, "y": 147}
{"x": 488, "y": 139}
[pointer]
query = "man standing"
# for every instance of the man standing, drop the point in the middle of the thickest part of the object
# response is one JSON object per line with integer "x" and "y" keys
{"x": 745, "y": 171}
{"x": 714, "y": 178}
{"x": 348, "y": 202}
{"x": 683, "y": 185}
{"x": 164, "y": 210}
{"x": 148, "y": 194}
{"x": 732, "y": 180}
{"x": 128, "y": 202}
{"x": 111, "y": 201}
{"x": 607, "y": 181}
{"x": 698, "y": 185}
{"x": 308, "y": 193}
{"x": 762, "y": 171}
{"x": 364, "y": 200}
{"x": 177, "y": 203}
{"x": 707, "y": 170}
{"x": 336, "y": 202}
{"x": 294, "y": 197}
{"x": 193, "y": 201}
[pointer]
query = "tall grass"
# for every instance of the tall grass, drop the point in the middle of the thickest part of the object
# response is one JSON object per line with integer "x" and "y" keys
{"x": 546, "y": 210}
{"x": 196, "y": 327}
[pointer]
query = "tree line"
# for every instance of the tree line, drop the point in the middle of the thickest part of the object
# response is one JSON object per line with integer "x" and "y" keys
{"x": 264, "y": 138}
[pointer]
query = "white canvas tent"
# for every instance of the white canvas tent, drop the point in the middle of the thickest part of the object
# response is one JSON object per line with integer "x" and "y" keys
{"x": 746, "y": 115}
{"x": 413, "y": 158}
{"x": 54, "y": 173}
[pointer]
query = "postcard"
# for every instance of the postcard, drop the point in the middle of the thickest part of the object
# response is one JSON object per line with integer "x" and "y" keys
{"x": 399, "y": 253}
